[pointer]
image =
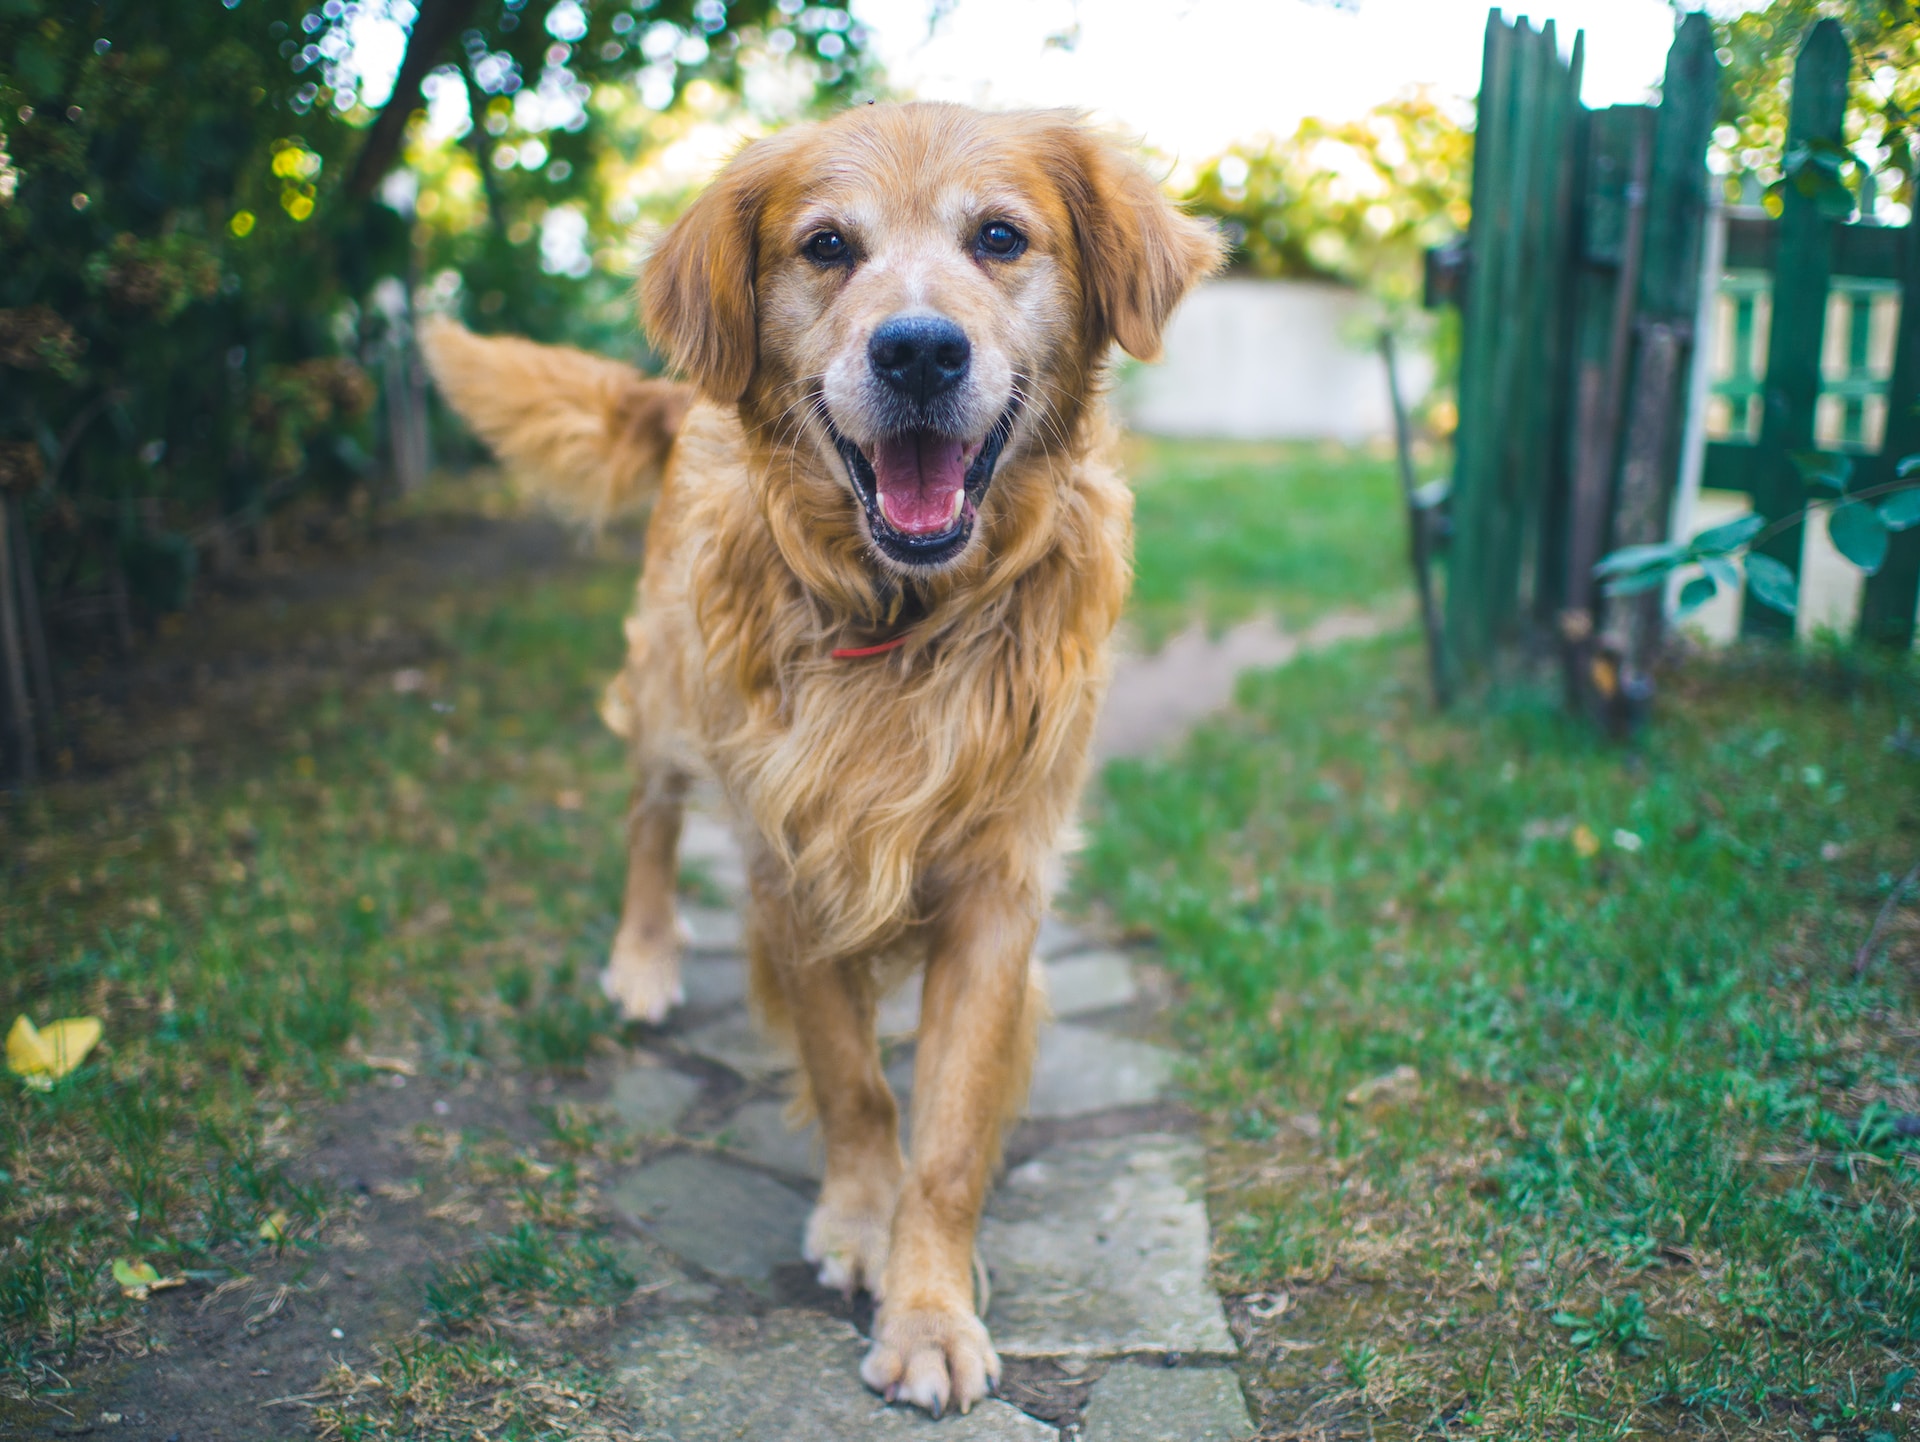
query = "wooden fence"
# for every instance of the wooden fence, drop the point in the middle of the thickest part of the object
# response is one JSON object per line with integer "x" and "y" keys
{"x": 1583, "y": 310}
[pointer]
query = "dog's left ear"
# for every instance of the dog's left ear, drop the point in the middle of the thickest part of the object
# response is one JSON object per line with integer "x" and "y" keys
{"x": 697, "y": 293}
{"x": 1139, "y": 253}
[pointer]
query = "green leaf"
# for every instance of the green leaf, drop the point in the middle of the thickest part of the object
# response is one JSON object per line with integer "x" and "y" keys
{"x": 1820, "y": 469}
{"x": 1901, "y": 510}
{"x": 1695, "y": 594}
{"x": 1638, "y": 582}
{"x": 1722, "y": 570}
{"x": 1816, "y": 170}
{"x": 1859, "y": 534}
{"x": 1772, "y": 583}
{"x": 1664, "y": 556}
{"x": 1730, "y": 537}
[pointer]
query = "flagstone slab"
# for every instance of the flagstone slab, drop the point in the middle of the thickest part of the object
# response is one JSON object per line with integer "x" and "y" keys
{"x": 652, "y": 1098}
{"x": 736, "y": 1042}
{"x": 898, "y": 1015}
{"x": 1101, "y": 1247}
{"x": 1082, "y": 1070}
{"x": 713, "y": 981}
{"x": 788, "y": 1375}
{"x": 726, "y": 1219}
{"x": 710, "y": 844}
{"x": 759, "y": 1131}
{"x": 1090, "y": 981}
{"x": 1058, "y": 937}
{"x": 1079, "y": 1071}
{"x": 657, "y": 1278}
{"x": 713, "y": 929}
{"x": 1136, "y": 1402}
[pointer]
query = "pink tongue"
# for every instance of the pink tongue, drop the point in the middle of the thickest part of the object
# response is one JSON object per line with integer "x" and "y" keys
{"x": 919, "y": 475}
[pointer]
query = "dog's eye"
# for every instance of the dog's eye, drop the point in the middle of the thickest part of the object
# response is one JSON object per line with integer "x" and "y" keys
{"x": 828, "y": 248}
{"x": 1000, "y": 240}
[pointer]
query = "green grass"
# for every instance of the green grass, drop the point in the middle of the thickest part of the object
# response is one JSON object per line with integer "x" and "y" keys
{"x": 1227, "y": 529}
{"x": 430, "y": 873}
{"x": 1645, "y": 1169}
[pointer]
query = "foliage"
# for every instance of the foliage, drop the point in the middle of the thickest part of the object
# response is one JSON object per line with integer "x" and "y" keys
{"x": 1860, "y": 523}
{"x": 210, "y": 251}
{"x": 1644, "y": 1171}
{"x": 1758, "y": 50}
{"x": 1357, "y": 202}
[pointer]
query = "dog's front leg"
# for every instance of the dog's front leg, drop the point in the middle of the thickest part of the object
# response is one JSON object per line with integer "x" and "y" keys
{"x": 970, "y": 1074}
{"x": 832, "y": 1004}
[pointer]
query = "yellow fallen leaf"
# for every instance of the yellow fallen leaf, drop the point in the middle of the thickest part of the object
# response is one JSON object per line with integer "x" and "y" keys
{"x": 274, "y": 1228}
{"x": 134, "y": 1274}
{"x": 1584, "y": 841}
{"x": 42, "y": 1057}
{"x": 137, "y": 1279}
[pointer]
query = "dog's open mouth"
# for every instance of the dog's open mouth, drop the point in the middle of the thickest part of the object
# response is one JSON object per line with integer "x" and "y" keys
{"x": 922, "y": 490}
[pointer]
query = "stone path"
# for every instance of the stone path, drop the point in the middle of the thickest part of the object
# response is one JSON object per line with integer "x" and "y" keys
{"x": 1096, "y": 1237}
{"x": 1157, "y": 698}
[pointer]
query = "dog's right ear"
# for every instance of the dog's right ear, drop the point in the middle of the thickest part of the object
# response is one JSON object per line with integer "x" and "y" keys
{"x": 697, "y": 294}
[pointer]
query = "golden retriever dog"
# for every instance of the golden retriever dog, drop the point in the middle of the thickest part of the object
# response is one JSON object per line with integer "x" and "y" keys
{"x": 882, "y": 572}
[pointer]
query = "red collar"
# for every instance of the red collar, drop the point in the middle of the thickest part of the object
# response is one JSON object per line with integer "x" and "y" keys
{"x": 855, "y": 653}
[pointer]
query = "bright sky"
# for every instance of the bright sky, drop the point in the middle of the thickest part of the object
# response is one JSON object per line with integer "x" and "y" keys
{"x": 1192, "y": 76}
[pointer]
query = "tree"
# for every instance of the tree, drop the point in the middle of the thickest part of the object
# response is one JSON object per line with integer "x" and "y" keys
{"x": 1758, "y": 50}
{"x": 1357, "y": 202}
{"x": 204, "y": 239}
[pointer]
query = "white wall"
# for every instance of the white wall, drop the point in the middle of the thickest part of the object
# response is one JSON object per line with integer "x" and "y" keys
{"x": 1269, "y": 360}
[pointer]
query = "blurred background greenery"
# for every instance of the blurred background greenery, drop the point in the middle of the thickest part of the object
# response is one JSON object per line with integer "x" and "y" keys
{"x": 218, "y": 220}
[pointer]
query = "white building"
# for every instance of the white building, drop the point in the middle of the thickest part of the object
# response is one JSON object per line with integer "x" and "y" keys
{"x": 1251, "y": 359}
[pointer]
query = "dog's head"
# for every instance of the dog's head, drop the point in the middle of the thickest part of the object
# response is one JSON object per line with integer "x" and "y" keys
{"x": 913, "y": 296}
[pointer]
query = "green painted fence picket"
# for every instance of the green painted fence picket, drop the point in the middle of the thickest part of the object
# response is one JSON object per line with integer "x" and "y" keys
{"x": 1803, "y": 266}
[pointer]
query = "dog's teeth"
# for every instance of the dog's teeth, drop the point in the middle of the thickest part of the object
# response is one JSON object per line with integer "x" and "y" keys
{"x": 959, "y": 500}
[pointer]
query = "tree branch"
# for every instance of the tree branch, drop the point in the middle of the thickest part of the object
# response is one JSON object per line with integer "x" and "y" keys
{"x": 481, "y": 143}
{"x": 438, "y": 23}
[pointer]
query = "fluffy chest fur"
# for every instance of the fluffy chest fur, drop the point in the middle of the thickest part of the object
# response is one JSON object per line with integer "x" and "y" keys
{"x": 876, "y": 782}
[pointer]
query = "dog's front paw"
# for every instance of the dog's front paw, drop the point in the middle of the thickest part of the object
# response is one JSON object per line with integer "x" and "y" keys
{"x": 931, "y": 1357}
{"x": 847, "y": 1242}
{"x": 643, "y": 976}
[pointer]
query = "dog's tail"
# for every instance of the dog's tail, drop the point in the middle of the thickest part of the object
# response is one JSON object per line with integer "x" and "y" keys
{"x": 590, "y": 434}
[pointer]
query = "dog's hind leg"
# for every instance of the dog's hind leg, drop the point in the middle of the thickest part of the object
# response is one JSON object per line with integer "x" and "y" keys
{"x": 643, "y": 974}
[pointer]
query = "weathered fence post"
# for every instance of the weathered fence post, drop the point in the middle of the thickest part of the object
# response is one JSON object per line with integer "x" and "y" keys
{"x": 1801, "y": 275}
{"x": 1620, "y": 165}
{"x": 1887, "y": 605}
{"x": 1467, "y": 621}
{"x": 1511, "y": 404}
{"x": 1668, "y": 302}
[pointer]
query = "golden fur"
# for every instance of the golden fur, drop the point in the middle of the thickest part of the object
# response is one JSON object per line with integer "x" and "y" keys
{"x": 903, "y": 808}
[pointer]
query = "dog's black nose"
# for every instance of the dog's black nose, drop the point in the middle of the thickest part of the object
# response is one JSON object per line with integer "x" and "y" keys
{"x": 920, "y": 356}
